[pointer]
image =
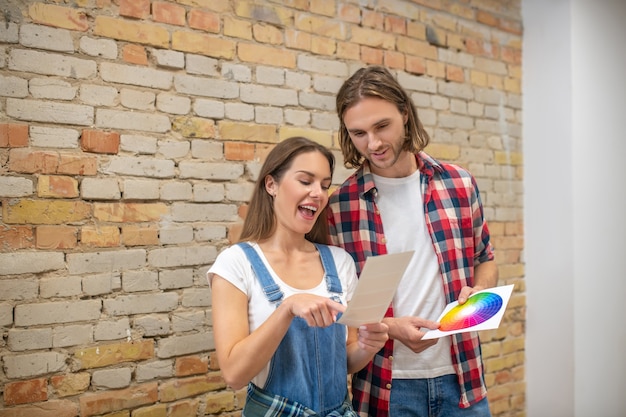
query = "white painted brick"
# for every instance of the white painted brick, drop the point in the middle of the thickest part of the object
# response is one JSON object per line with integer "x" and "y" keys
{"x": 133, "y": 75}
{"x": 176, "y": 191}
{"x": 111, "y": 329}
{"x": 171, "y": 149}
{"x": 198, "y": 64}
{"x": 111, "y": 378}
{"x": 15, "y": 187}
{"x": 144, "y": 280}
{"x": 186, "y": 321}
{"x": 212, "y": 109}
{"x": 73, "y": 335}
{"x": 462, "y": 91}
{"x": 33, "y": 364}
{"x": 18, "y": 289}
{"x": 239, "y": 191}
{"x": 138, "y": 144}
{"x": 270, "y": 75}
{"x": 169, "y": 59}
{"x": 210, "y": 233}
{"x": 207, "y": 150}
{"x": 30, "y": 262}
{"x": 137, "y": 100}
{"x": 141, "y": 189}
{"x": 327, "y": 84}
{"x": 311, "y": 63}
{"x": 325, "y": 121}
{"x": 98, "y": 284}
{"x": 119, "y": 119}
{"x": 63, "y": 286}
{"x": 268, "y": 115}
{"x": 207, "y": 87}
{"x": 416, "y": 83}
{"x": 317, "y": 101}
{"x": 143, "y": 167}
{"x": 11, "y": 86}
{"x": 100, "y": 189}
{"x": 428, "y": 117}
{"x": 50, "y": 88}
{"x": 210, "y": 170}
{"x": 489, "y": 96}
{"x": 185, "y": 212}
{"x": 98, "y": 95}
{"x": 253, "y": 168}
{"x": 48, "y": 111}
{"x": 154, "y": 370}
{"x": 57, "y": 312}
{"x": 297, "y": 117}
{"x": 51, "y": 64}
{"x": 20, "y": 340}
{"x": 297, "y": 80}
{"x": 175, "y": 278}
{"x": 208, "y": 192}
{"x": 239, "y": 111}
{"x": 181, "y": 256}
{"x": 153, "y": 325}
{"x": 108, "y": 261}
{"x": 173, "y": 234}
{"x": 454, "y": 57}
{"x": 429, "y": 100}
{"x": 53, "y": 137}
{"x": 236, "y": 72}
{"x": 9, "y": 31}
{"x": 46, "y": 37}
{"x": 475, "y": 109}
{"x": 124, "y": 305}
{"x": 173, "y": 104}
{"x": 451, "y": 121}
{"x": 185, "y": 345}
{"x": 273, "y": 96}
{"x": 105, "y": 48}
{"x": 196, "y": 297}
{"x": 6, "y": 314}
{"x": 490, "y": 66}
{"x": 3, "y": 57}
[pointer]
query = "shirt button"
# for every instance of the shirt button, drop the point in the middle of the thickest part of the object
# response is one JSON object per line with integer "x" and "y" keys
{"x": 384, "y": 240}
{"x": 388, "y": 386}
{"x": 391, "y": 358}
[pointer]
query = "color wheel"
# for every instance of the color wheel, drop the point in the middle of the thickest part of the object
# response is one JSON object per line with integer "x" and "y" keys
{"x": 477, "y": 309}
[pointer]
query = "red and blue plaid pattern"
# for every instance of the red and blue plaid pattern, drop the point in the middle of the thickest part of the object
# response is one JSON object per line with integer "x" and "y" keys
{"x": 454, "y": 217}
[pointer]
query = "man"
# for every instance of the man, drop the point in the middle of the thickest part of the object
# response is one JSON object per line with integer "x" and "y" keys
{"x": 401, "y": 199}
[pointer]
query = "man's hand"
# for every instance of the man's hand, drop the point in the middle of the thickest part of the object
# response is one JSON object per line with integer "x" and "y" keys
{"x": 407, "y": 331}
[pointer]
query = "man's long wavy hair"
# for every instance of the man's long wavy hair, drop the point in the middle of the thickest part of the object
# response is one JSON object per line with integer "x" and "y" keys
{"x": 376, "y": 81}
{"x": 260, "y": 221}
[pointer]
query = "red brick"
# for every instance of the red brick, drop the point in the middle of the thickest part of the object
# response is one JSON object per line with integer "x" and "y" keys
{"x": 50, "y": 408}
{"x": 16, "y": 237}
{"x": 237, "y": 151}
{"x": 184, "y": 408}
{"x": 57, "y": 186}
{"x": 108, "y": 401}
{"x": 133, "y": 235}
{"x": 33, "y": 162}
{"x": 97, "y": 141}
{"x": 168, "y": 13}
{"x": 23, "y": 392}
{"x": 139, "y": 9}
{"x": 135, "y": 54}
{"x": 203, "y": 20}
{"x": 56, "y": 237}
{"x": 371, "y": 56}
{"x": 13, "y": 135}
{"x": 191, "y": 365}
{"x": 71, "y": 164}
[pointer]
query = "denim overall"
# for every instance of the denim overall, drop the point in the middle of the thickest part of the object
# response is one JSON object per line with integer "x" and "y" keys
{"x": 309, "y": 369}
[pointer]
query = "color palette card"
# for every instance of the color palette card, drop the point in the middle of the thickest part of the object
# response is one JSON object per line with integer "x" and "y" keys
{"x": 482, "y": 311}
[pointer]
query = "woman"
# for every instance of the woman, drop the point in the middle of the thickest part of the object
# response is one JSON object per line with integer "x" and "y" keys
{"x": 277, "y": 295}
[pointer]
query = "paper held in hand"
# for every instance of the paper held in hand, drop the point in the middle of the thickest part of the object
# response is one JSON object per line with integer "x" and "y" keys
{"x": 377, "y": 284}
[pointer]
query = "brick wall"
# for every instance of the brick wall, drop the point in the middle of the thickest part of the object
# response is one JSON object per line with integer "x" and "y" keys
{"x": 130, "y": 134}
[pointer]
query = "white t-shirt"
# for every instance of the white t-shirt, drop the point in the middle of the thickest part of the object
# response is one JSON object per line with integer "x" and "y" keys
{"x": 233, "y": 265}
{"x": 420, "y": 292}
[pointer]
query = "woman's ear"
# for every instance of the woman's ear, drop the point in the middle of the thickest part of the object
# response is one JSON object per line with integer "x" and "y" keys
{"x": 270, "y": 185}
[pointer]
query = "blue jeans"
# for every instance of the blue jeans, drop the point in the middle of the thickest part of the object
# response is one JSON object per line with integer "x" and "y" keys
{"x": 435, "y": 397}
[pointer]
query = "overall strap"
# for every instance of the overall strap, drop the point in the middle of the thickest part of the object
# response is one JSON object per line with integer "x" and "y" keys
{"x": 270, "y": 288}
{"x": 332, "y": 279}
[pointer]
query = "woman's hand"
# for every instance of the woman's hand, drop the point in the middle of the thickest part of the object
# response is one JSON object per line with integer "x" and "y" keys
{"x": 318, "y": 311}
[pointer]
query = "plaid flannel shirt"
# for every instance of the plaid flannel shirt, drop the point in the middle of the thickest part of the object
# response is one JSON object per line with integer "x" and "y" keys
{"x": 454, "y": 218}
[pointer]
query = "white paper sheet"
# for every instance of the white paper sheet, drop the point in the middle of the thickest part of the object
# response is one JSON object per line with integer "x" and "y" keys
{"x": 482, "y": 313}
{"x": 377, "y": 285}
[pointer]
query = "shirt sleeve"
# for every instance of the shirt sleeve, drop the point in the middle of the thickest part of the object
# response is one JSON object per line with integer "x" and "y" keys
{"x": 232, "y": 265}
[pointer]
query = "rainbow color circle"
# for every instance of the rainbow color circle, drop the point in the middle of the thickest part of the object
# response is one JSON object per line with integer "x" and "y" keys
{"x": 477, "y": 309}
